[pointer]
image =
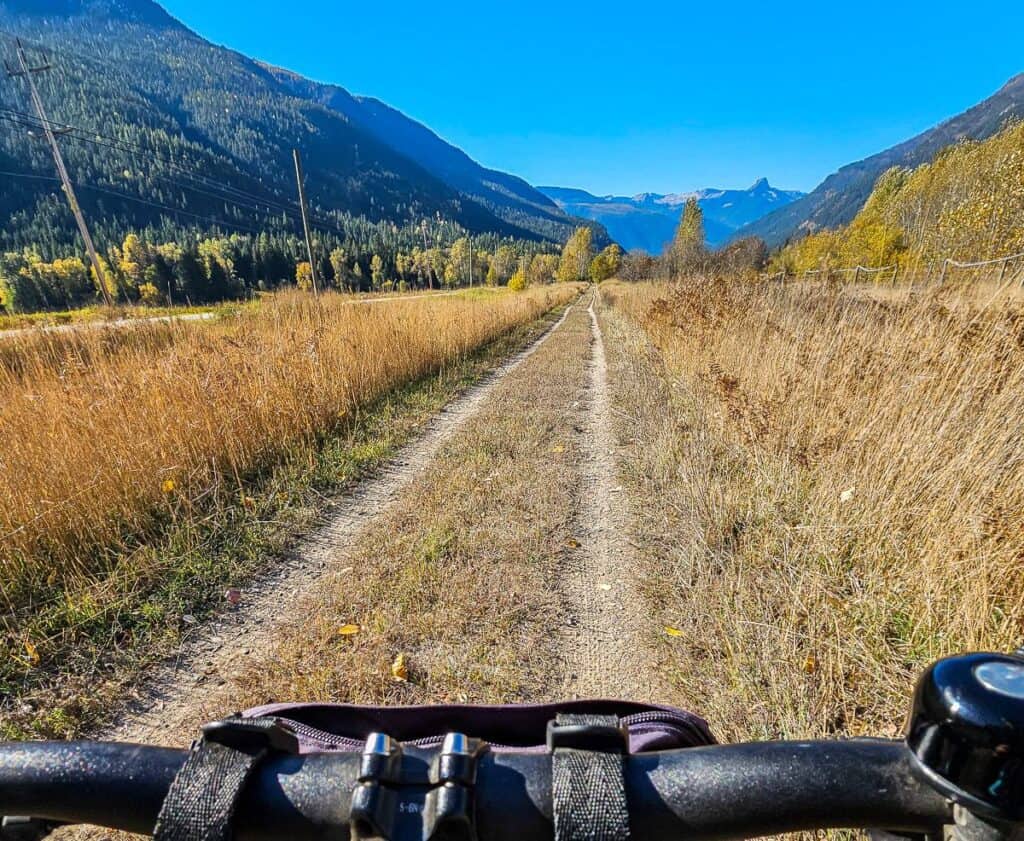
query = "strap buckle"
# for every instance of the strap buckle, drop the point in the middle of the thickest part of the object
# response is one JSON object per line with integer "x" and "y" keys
{"x": 202, "y": 798}
{"x": 606, "y": 734}
{"x": 252, "y": 735}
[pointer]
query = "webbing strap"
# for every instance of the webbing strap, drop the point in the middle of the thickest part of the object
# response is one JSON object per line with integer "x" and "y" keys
{"x": 588, "y": 787}
{"x": 202, "y": 799}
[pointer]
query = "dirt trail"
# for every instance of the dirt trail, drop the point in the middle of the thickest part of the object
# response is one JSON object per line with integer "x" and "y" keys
{"x": 179, "y": 693}
{"x": 603, "y": 644}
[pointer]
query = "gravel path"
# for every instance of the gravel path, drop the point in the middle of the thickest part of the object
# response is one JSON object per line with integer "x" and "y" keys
{"x": 603, "y": 643}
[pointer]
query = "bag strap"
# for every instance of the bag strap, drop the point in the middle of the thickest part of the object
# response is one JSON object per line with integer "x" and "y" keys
{"x": 587, "y": 777}
{"x": 201, "y": 802}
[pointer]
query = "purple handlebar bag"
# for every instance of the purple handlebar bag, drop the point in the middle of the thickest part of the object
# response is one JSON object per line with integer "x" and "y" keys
{"x": 521, "y": 727}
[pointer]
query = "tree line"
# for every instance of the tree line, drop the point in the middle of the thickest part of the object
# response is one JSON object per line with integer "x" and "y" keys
{"x": 206, "y": 269}
{"x": 197, "y": 269}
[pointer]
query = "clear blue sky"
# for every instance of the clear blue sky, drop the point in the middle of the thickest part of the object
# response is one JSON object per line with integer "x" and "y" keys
{"x": 660, "y": 96}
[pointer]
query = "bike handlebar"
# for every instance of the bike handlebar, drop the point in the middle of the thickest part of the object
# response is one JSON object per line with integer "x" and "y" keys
{"x": 721, "y": 792}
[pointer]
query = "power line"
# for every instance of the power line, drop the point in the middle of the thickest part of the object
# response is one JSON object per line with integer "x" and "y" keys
{"x": 28, "y": 73}
{"x": 229, "y": 193}
{"x": 77, "y": 133}
{"x": 253, "y": 206}
{"x": 253, "y": 201}
{"x": 28, "y": 175}
{"x": 127, "y": 197}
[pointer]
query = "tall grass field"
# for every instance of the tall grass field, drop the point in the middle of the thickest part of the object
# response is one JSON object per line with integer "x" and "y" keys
{"x": 111, "y": 438}
{"x": 838, "y": 492}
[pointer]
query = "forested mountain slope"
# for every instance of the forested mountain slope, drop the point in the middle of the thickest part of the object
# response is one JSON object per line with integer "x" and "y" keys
{"x": 840, "y": 196}
{"x": 507, "y": 196}
{"x": 134, "y": 78}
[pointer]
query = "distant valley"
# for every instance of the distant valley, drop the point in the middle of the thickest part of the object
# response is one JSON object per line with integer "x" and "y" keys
{"x": 647, "y": 221}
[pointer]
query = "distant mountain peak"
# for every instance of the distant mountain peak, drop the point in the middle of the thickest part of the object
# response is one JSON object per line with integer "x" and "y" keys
{"x": 648, "y": 220}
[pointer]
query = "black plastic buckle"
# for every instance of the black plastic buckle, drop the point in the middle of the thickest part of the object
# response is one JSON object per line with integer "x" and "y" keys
{"x": 251, "y": 735}
{"x": 607, "y": 738}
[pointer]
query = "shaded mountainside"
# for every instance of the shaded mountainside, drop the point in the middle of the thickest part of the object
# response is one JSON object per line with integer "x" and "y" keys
{"x": 840, "y": 196}
{"x": 648, "y": 221}
{"x": 507, "y": 196}
{"x": 127, "y": 69}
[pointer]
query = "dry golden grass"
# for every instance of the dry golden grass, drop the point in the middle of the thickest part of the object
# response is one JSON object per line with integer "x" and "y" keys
{"x": 461, "y": 575}
{"x": 463, "y": 579}
{"x": 973, "y": 288}
{"x": 835, "y": 493}
{"x": 110, "y": 440}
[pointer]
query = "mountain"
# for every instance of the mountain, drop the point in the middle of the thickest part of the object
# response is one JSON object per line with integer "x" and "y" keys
{"x": 507, "y": 196}
{"x": 648, "y": 221}
{"x": 840, "y": 196}
{"x": 920, "y": 217}
{"x": 134, "y": 78}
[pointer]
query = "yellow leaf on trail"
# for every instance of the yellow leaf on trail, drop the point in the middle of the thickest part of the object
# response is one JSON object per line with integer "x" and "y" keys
{"x": 348, "y": 630}
{"x": 673, "y": 632}
{"x": 811, "y": 664}
{"x": 399, "y": 671}
{"x": 33, "y": 653}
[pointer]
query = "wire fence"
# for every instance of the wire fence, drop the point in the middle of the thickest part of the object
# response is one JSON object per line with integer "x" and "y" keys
{"x": 1008, "y": 270}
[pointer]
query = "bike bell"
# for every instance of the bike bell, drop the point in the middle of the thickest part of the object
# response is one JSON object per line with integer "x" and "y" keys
{"x": 966, "y": 730}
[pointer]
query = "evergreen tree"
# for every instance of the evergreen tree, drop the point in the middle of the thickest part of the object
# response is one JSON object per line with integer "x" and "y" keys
{"x": 191, "y": 278}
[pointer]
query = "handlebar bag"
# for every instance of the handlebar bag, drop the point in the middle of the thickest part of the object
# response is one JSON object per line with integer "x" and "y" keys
{"x": 521, "y": 727}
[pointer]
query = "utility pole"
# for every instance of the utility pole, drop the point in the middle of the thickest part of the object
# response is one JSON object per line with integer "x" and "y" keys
{"x": 69, "y": 191}
{"x": 305, "y": 219}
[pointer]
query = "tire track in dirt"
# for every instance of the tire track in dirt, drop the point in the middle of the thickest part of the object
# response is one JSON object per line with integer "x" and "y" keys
{"x": 603, "y": 645}
{"x": 176, "y": 692}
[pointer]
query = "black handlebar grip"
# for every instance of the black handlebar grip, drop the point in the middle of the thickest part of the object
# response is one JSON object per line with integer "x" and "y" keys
{"x": 88, "y": 782}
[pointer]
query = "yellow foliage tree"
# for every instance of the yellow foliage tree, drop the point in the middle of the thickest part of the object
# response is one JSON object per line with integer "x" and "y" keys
{"x": 967, "y": 204}
{"x": 576, "y": 256}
